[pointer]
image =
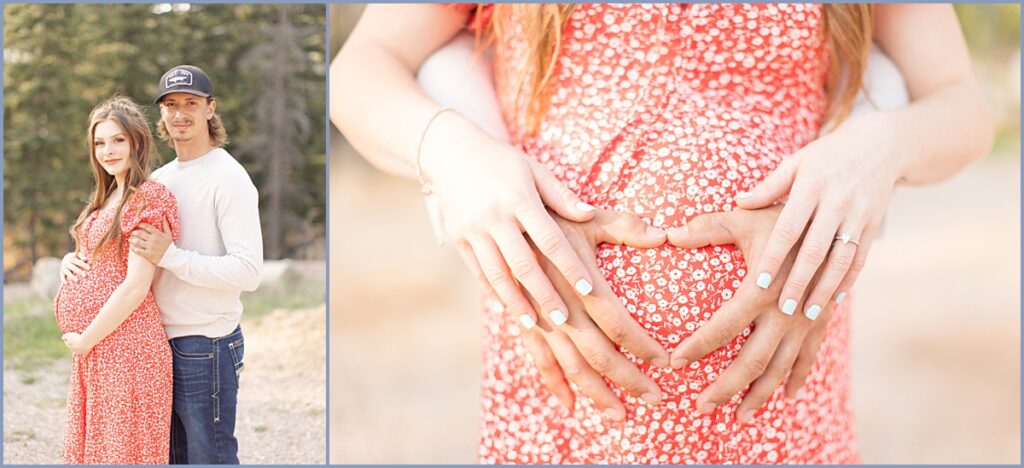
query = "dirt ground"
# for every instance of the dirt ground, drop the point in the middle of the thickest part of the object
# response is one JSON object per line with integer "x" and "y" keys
{"x": 281, "y": 403}
{"x": 936, "y": 330}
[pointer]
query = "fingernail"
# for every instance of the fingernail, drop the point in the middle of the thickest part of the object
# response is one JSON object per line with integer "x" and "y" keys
{"x": 764, "y": 280}
{"x": 789, "y": 307}
{"x": 650, "y": 398}
{"x": 746, "y": 415}
{"x": 557, "y": 317}
{"x": 584, "y": 206}
{"x": 527, "y": 321}
{"x": 613, "y": 414}
{"x": 706, "y": 407}
{"x": 680, "y": 363}
{"x": 840, "y": 297}
{"x": 584, "y": 287}
{"x": 813, "y": 311}
{"x": 744, "y": 195}
{"x": 660, "y": 362}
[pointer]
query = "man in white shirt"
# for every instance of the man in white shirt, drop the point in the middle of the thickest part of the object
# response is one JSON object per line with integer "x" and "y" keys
{"x": 218, "y": 255}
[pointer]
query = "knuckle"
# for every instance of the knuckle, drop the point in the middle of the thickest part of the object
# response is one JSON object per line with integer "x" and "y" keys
{"x": 549, "y": 242}
{"x": 599, "y": 360}
{"x": 755, "y": 366}
{"x": 798, "y": 283}
{"x": 617, "y": 332}
{"x": 815, "y": 253}
{"x": 788, "y": 231}
{"x": 857, "y": 264}
{"x": 574, "y": 370}
{"x": 495, "y": 276}
{"x": 634, "y": 385}
{"x": 842, "y": 261}
{"x": 522, "y": 267}
{"x": 776, "y": 373}
{"x": 712, "y": 339}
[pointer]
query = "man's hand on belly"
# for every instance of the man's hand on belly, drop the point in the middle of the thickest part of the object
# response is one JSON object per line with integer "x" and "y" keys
{"x": 781, "y": 345}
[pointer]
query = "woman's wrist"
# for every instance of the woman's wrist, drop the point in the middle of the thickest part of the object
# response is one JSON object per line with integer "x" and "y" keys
{"x": 445, "y": 141}
{"x": 880, "y": 133}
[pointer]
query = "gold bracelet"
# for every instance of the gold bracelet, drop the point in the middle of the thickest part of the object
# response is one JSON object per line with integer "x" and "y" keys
{"x": 424, "y": 185}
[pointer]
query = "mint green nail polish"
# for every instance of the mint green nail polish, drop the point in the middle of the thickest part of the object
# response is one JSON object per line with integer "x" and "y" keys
{"x": 744, "y": 195}
{"x": 584, "y": 287}
{"x": 557, "y": 317}
{"x": 764, "y": 280}
{"x": 840, "y": 297}
{"x": 813, "y": 311}
{"x": 789, "y": 307}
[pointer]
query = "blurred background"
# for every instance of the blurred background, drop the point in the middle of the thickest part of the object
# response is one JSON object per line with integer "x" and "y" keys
{"x": 936, "y": 317}
{"x": 267, "y": 66}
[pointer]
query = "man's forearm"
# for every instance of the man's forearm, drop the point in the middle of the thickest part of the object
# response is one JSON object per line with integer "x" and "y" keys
{"x": 236, "y": 271}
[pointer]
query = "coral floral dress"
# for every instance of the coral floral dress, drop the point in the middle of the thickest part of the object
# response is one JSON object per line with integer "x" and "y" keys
{"x": 667, "y": 111}
{"x": 119, "y": 396}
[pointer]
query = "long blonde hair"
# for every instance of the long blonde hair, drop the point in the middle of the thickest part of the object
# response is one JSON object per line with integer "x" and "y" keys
{"x": 847, "y": 30}
{"x": 130, "y": 118}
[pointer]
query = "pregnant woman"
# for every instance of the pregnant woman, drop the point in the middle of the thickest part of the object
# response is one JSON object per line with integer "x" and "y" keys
{"x": 672, "y": 113}
{"x": 119, "y": 396}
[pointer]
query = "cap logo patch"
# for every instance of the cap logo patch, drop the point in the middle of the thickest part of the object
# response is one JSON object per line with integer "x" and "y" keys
{"x": 178, "y": 77}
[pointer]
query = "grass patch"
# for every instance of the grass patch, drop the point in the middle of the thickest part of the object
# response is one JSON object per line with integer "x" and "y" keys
{"x": 32, "y": 339}
{"x": 19, "y": 436}
{"x": 287, "y": 295}
{"x": 260, "y": 429}
{"x": 31, "y": 336}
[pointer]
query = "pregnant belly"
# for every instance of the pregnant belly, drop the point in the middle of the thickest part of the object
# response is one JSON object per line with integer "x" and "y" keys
{"x": 78, "y": 302}
{"x": 671, "y": 292}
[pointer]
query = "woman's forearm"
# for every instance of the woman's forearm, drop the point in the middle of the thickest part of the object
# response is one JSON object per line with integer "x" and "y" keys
{"x": 933, "y": 137}
{"x": 377, "y": 104}
{"x": 125, "y": 299}
{"x": 947, "y": 124}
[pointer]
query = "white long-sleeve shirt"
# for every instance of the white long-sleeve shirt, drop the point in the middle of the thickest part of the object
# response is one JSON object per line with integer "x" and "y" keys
{"x": 219, "y": 253}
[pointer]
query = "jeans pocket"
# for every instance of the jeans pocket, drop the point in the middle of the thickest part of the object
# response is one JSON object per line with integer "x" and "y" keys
{"x": 237, "y": 348}
{"x": 192, "y": 347}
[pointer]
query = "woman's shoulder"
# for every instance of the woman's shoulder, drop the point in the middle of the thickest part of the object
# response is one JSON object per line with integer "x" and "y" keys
{"x": 151, "y": 191}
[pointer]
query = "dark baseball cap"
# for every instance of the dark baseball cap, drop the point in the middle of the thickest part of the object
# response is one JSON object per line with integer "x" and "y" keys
{"x": 184, "y": 79}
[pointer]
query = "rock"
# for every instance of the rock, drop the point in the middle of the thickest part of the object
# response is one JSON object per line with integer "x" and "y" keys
{"x": 285, "y": 272}
{"x": 46, "y": 277}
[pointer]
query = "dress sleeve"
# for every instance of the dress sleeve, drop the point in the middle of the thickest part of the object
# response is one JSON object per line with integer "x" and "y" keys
{"x": 151, "y": 204}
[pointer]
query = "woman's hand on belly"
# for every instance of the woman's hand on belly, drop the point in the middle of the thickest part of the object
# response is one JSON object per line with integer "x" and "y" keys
{"x": 781, "y": 345}
{"x": 76, "y": 344}
{"x": 839, "y": 189}
{"x": 583, "y": 349}
{"x": 71, "y": 266}
{"x": 491, "y": 197}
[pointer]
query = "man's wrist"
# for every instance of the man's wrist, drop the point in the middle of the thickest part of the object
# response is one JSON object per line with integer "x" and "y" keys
{"x": 167, "y": 255}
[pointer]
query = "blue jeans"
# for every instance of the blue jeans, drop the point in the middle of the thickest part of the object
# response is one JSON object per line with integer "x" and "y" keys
{"x": 205, "y": 397}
